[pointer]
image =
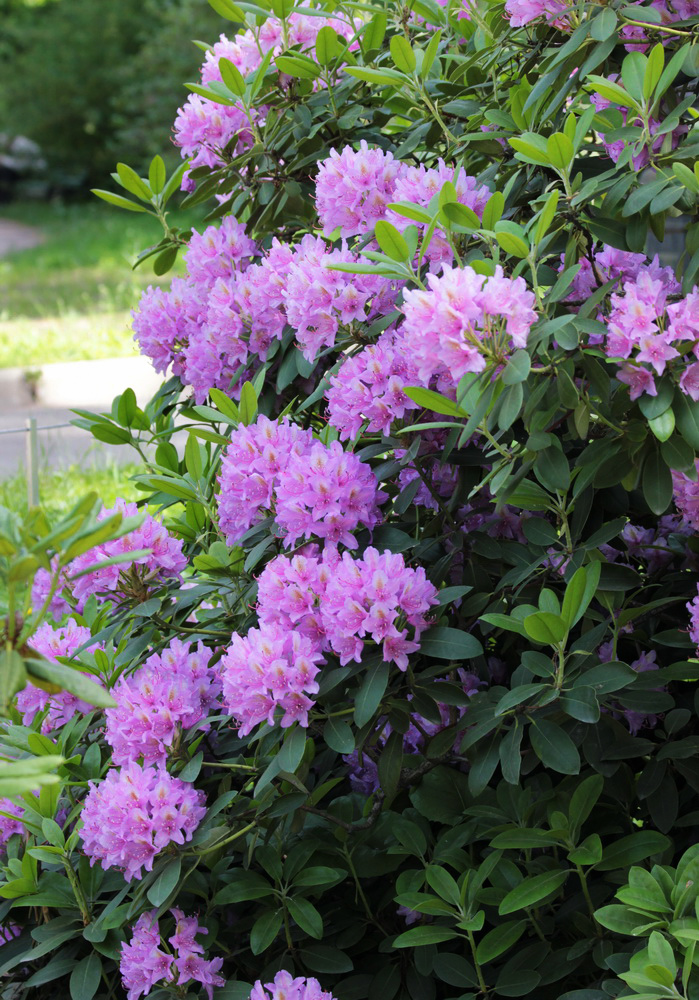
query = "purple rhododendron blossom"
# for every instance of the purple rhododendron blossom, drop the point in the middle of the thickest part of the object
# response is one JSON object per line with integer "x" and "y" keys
{"x": 250, "y": 471}
{"x": 369, "y": 386}
{"x": 135, "y": 812}
{"x": 143, "y": 963}
{"x": 465, "y": 320}
{"x": 172, "y": 691}
{"x": 11, "y": 823}
{"x": 50, "y": 643}
{"x": 270, "y": 668}
{"x": 340, "y": 603}
{"x": 285, "y": 987}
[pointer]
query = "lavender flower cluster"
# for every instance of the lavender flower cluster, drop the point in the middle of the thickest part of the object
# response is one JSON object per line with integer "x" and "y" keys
{"x": 172, "y": 691}
{"x": 205, "y": 130}
{"x": 211, "y": 324}
{"x": 50, "y": 643}
{"x": 557, "y": 13}
{"x": 144, "y": 964}
{"x": 311, "y": 489}
{"x": 164, "y": 560}
{"x": 310, "y": 604}
{"x": 338, "y": 603}
{"x": 130, "y": 816}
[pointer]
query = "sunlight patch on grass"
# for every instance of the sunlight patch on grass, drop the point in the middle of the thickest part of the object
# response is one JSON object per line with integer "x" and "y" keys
{"x": 27, "y": 342}
{"x": 69, "y": 298}
{"x": 60, "y": 489}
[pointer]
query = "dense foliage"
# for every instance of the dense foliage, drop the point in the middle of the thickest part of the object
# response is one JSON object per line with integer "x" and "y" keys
{"x": 401, "y": 650}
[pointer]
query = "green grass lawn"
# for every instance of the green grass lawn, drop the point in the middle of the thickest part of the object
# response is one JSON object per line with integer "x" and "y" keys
{"x": 70, "y": 298}
{"x": 60, "y": 489}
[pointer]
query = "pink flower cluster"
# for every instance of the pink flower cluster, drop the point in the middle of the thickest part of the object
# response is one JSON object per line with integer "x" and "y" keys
{"x": 285, "y": 987}
{"x": 50, "y": 643}
{"x": 198, "y": 326}
{"x": 369, "y": 386}
{"x": 11, "y": 823}
{"x": 203, "y": 128}
{"x": 355, "y": 187}
{"x": 554, "y": 12}
{"x": 269, "y": 669}
{"x": 313, "y": 489}
{"x": 640, "y": 153}
{"x": 319, "y": 300}
{"x": 465, "y": 321}
{"x": 645, "y": 329}
{"x": 419, "y": 185}
{"x": 327, "y": 493}
{"x": 610, "y": 265}
{"x": 686, "y": 496}
{"x": 338, "y": 603}
{"x": 172, "y": 691}
{"x": 166, "y": 560}
{"x": 134, "y": 813}
{"x": 635, "y": 36}
{"x": 143, "y": 963}
{"x": 209, "y": 324}
{"x": 253, "y": 462}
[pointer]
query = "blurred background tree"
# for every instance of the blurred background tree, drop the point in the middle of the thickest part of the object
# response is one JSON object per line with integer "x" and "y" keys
{"x": 95, "y": 82}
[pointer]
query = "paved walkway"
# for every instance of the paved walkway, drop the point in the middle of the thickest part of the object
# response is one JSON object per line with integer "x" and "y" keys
{"x": 82, "y": 385}
{"x": 17, "y": 236}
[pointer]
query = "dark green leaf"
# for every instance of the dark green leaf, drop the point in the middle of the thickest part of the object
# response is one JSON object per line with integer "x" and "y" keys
{"x": 339, "y": 736}
{"x": 370, "y": 693}
{"x": 306, "y": 916}
{"x": 554, "y": 747}
{"x": 450, "y": 644}
{"x": 419, "y": 937}
{"x": 85, "y": 978}
{"x": 532, "y": 890}
{"x": 165, "y": 883}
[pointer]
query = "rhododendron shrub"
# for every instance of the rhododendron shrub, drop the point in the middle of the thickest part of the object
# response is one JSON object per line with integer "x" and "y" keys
{"x": 388, "y": 684}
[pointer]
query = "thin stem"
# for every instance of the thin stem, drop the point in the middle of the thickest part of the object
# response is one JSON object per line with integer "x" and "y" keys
{"x": 345, "y": 711}
{"x": 44, "y": 607}
{"x": 479, "y": 971}
{"x": 287, "y": 928}
{"x": 535, "y": 923}
{"x": 233, "y": 767}
{"x": 495, "y": 444}
{"x": 77, "y": 889}
{"x": 658, "y": 27}
{"x": 560, "y": 667}
{"x": 228, "y": 840}
{"x": 360, "y": 891}
{"x": 11, "y": 623}
{"x": 438, "y": 118}
{"x": 588, "y": 898}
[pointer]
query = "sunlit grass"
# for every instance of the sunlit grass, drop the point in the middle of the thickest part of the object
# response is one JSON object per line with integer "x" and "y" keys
{"x": 27, "y": 342}
{"x": 69, "y": 298}
{"x": 60, "y": 489}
